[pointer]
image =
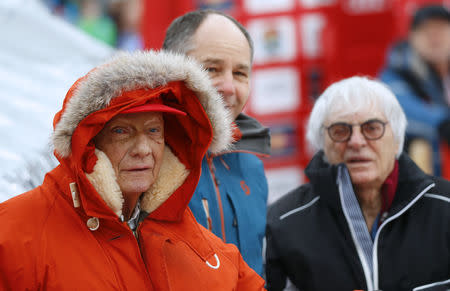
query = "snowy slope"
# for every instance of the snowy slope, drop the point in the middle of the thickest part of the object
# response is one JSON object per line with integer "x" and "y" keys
{"x": 40, "y": 58}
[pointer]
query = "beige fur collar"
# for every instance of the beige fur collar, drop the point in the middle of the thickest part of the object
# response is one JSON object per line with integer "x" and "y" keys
{"x": 171, "y": 176}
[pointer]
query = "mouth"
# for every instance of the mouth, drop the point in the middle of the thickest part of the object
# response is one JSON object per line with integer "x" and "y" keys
{"x": 357, "y": 160}
{"x": 137, "y": 170}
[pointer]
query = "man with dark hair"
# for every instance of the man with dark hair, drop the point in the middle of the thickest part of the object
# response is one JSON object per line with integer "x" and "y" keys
{"x": 418, "y": 72}
{"x": 231, "y": 197}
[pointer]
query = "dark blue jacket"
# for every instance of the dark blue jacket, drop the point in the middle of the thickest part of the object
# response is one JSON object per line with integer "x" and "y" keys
{"x": 231, "y": 196}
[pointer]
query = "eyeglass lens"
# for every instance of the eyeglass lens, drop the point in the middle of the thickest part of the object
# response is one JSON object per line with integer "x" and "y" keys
{"x": 371, "y": 129}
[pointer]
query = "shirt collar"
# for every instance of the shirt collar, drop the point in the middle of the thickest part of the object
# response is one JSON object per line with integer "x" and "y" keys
{"x": 134, "y": 219}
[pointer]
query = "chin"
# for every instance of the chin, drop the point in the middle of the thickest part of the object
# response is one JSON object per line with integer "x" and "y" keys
{"x": 362, "y": 177}
{"x": 136, "y": 187}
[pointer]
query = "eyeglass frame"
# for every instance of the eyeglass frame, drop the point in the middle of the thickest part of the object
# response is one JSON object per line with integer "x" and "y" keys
{"x": 351, "y": 125}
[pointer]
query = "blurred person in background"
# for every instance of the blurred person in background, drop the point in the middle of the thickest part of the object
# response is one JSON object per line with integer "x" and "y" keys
{"x": 231, "y": 197}
{"x": 94, "y": 20}
{"x": 127, "y": 15}
{"x": 418, "y": 72}
{"x": 370, "y": 218}
{"x": 113, "y": 215}
{"x": 115, "y": 22}
{"x": 67, "y": 9}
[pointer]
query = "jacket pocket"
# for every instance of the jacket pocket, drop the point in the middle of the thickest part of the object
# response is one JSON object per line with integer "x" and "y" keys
{"x": 208, "y": 216}
{"x": 435, "y": 286}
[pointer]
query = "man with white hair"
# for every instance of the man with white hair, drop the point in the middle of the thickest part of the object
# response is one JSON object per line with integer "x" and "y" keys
{"x": 369, "y": 219}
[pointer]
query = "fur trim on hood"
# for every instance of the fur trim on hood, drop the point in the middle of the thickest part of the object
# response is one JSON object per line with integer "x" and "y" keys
{"x": 130, "y": 71}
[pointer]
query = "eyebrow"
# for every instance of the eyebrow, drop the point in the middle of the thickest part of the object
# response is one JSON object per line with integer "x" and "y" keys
{"x": 125, "y": 120}
{"x": 358, "y": 123}
{"x": 212, "y": 61}
{"x": 220, "y": 62}
{"x": 154, "y": 121}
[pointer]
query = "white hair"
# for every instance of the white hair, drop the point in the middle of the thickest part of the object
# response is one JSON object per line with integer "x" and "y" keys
{"x": 349, "y": 96}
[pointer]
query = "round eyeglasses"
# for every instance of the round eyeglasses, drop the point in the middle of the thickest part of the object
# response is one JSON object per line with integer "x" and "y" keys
{"x": 371, "y": 129}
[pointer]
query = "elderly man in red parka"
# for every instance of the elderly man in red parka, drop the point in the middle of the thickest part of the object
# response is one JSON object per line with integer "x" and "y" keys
{"x": 113, "y": 215}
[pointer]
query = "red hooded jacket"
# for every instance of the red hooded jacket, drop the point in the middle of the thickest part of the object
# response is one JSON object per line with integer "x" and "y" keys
{"x": 67, "y": 233}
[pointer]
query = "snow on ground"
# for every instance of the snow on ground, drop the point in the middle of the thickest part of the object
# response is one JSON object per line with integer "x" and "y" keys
{"x": 41, "y": 56}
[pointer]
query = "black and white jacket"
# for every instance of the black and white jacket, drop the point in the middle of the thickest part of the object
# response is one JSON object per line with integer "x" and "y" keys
{"x": 311, "y": 243}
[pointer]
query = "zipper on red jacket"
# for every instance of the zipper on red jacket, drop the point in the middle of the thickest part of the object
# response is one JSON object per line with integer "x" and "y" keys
{"x": 141, "y": 253}
{"x": 212, "y": 170}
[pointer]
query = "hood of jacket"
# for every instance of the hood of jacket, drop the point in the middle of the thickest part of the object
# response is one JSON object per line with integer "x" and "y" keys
{"x": 129, "y": 80}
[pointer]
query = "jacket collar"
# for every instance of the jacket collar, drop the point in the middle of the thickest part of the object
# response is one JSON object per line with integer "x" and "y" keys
{"x": 322, "y": 176}
{"x": 411, "y": 181}
{"x": 171, "y": 176}
{"x": 253, "y": 136}
{"x": 100, "y": 195}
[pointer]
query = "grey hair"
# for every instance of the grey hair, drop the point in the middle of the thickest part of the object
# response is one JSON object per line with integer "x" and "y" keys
{"x": 179, "y": 33}
{"x": 351, "y": 95}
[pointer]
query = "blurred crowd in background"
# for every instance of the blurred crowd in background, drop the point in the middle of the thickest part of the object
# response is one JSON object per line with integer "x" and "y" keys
{"x": 115, "y": 22}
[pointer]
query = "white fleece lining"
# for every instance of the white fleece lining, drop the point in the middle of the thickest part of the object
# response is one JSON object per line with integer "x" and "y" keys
{"x": 104, "y": 180}
{"x": 171, "y": 176}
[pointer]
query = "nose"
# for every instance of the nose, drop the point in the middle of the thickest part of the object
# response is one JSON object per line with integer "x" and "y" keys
{"x": 225, "y": 85}
{"x": 357, "y": 139}
{"x": 142, "y": 146}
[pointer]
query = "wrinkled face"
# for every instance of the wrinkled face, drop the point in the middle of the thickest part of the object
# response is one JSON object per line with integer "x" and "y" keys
{"x": 134, "y": 143}
{"x": 369, "y": 161}
{"x": 432, "y": 40}
{"x": 223, "y": 50}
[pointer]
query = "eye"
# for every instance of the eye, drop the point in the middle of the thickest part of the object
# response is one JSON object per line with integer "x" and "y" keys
{"x": 339, "y": 132}
{"x": 156, "y": 131}
{"x": 241, "y": 74}
{"x": 119, "y": 130}
{"x": 211, "y": 69}
{"x": 373, "y": 125}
